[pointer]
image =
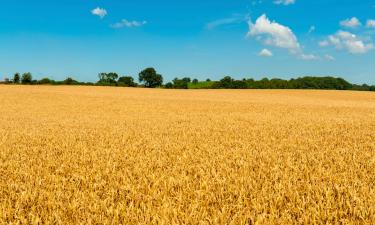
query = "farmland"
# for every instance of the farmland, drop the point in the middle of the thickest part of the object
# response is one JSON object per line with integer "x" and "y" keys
{"x": 103, "y": 155}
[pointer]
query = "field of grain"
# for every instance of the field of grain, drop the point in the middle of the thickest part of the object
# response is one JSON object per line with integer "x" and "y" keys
{"x": 101, "y": 155}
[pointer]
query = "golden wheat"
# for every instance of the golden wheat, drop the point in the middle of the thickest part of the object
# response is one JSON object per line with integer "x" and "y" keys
{"x": 99, "y": 155}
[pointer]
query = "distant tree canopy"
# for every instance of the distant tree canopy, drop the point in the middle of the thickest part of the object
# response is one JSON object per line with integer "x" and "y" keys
{"x": 230, "y": 83}
{"x": 108, "y": 78}
{"x": 126, "y": 81}
{"x": 45, "y": 81}
{"x": 150, "y": 78}
{"x": 181, "y": 83}
{"x": 299, "y": 83}
{"x": 70, "y": 81}
{"x": 27, "y": 78}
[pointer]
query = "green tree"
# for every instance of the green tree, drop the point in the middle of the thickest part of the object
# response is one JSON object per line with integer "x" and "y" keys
{"x": 169, "y": 85}
{"x": 126, "y": 81}
{"x": 70, "y": 81}
{"x": 16, "y": 78}
{"x": 181, "y": 83}
{"x": 150, "y": 78}
{"x": 45, "y": 81}
{"x": 186, "y": 79}
{"x": 26, "y": 78}
{"x": 230, "y": 83}
{"x": 195, "y": 81}
{"x": 108, "y": 78}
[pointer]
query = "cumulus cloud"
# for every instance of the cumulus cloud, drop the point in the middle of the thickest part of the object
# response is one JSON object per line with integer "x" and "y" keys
{"x": 348, "y": 41}
{"x": 370, "y": 24}
{"x": 99, "y": 12}
{"x": 126, "y": 23}
{"x": 351, "y": 23}
{"x": 274, "y": 34}
{"x": 265, "y": 53}
{"x": 285, "y": 2}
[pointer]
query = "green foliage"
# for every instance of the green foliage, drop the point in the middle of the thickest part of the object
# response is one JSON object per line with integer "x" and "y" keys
{"x": 201, "y": 85}
{"x": 169, "y": 85}
{"x": 27, "y": 78}
{"x": 46, "y": 81}
{"x": 16, "y": 78}
{"x": 230, "y": 83}
{"x": 150, "y": 78}
{"x": 108, "y": 78}
{"x": 320, "y": 83}
{"x": 328, "y": 83}
{"x": 70, "y": 81}
{"x": 126, "y": 81}
{"x": 181, "y": 83}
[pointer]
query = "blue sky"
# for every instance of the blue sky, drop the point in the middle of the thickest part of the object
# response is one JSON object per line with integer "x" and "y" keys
{"x": 200, "y": 39}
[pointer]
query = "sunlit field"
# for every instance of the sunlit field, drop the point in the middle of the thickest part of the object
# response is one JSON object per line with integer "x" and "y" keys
{"x": 102, "y": 155}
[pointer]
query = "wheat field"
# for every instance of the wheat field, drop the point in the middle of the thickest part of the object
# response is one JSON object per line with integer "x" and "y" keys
{"x": 101, "y": 155}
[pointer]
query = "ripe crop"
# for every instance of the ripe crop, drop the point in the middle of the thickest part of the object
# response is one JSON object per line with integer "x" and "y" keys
{"x": 101, "y": 155}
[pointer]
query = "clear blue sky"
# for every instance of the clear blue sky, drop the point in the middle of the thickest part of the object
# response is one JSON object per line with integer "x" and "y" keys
{"x": 200, "y": 39}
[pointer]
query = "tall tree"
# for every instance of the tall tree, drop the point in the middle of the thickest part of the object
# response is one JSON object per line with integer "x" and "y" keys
{"x": 16, "y": 78}
{"x": 150, "y": 78}
{"x": 27, "y": 78}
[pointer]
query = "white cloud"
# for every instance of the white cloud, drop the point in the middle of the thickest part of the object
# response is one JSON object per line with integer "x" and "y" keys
{"x": 265, "y": 53}
{"x": 125, "y": 23}
{"x": 308, "y": 57}
{"x": 99, "y": 12}
{"x": 351, "y": 23}
{"x": 370, "y": 24}
{"x": 348, "y": 41}
{"x": 237, "y": 18}
{"x": 221, "y": 22}
{"x": 285, "y": 2}
{"x": 329, "y": 57}
{"x": 274, "y": 34}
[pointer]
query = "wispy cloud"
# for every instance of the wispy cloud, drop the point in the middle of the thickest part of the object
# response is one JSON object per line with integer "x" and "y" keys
{"x": 126, "y": 23}
{"x": 308, "y": 57}
{"x": 285, "y": 2}
{"x": 237, "y": 18}
{"x": 329, "y": 57}
{"x": 312, "y": 29}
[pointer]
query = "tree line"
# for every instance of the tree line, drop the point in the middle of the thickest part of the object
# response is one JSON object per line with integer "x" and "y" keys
{"x": 149, "y": 78}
